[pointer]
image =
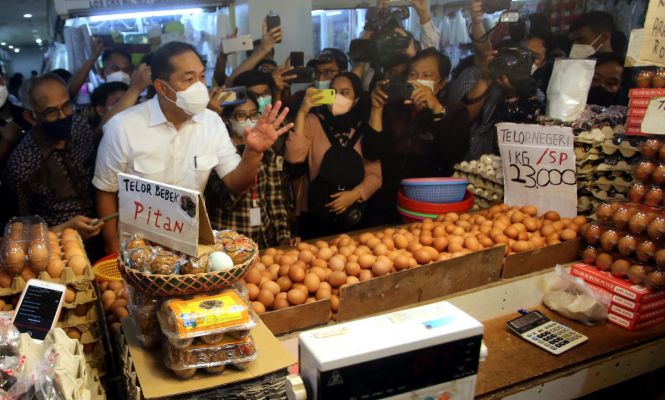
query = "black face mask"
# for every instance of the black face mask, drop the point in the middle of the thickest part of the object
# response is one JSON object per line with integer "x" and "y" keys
{"x": 58, "y": 129}
{"x": 598, "y": 95}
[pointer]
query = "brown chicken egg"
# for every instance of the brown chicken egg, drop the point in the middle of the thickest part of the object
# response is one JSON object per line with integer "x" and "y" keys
{"x": 627, "y": 245}
{"x": 621, "y": 217}
{"x": 14, "y": 258}
{"x": 78, "y": 264}
{"x": 619, "y": 268}
{"x": 660, "y": 258}
{"x": 651, "y": 147}
{"x": 604, "y": 212}
{"x": 644, "y": 170}
{"x": 589, "y": 255}
{"x": 637, "y": 192}
{"x": 593, "y": 233}
{"x": 258, "y": 307}
{"x": 312, "y": 281}
{"x": 337, "y": 278}
{"x": 266, "y": 297}
{"x": 655, "y": 280}
{"x": 5, "y": 279}
{"x": 604, "y": 261}
{"x": 637, "y": 273}
{"x": 656, "y": 229}
{"x": 654, "y": 196}
{"x": 658, "y": 175}
{"x": 296, "y": 297}
{"x": 645, "y": 251}
{"x": 609, "y": 239}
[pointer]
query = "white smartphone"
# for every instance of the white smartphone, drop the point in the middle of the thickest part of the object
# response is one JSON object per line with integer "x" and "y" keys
{"x": 237, "y": 44}
{"x": 39, "y": 307}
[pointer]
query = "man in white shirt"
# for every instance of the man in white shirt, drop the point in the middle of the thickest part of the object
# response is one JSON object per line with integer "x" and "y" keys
{"x": 174, "y": 139}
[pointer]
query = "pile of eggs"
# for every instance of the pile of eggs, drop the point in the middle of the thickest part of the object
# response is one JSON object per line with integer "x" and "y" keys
{"x": 627, "y": 241}
{"x": 312, "y": 272}
{"x": 114, "y": 303}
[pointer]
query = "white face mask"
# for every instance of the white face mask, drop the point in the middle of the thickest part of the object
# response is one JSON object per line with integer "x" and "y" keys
{"x": 192, "y": 100}
{"x": 4, "y": 93}
{"x": 322, "y": 84}
{"x": 238, "y": 128}
{"x": 583, "y": 50}
{"x": 427, "y": 83}
{"x": 534, "y": 68}
{"x": 119, "y": 76}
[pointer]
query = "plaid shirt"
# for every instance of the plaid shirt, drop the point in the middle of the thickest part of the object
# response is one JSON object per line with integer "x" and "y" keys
{"x": 230, "y": 211}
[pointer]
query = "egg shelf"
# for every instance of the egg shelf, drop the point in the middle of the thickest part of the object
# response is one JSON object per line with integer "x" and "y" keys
{"x": 72, "y": 318}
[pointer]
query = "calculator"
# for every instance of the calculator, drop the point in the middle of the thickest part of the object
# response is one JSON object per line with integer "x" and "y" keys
{"x": 549, "y": 335}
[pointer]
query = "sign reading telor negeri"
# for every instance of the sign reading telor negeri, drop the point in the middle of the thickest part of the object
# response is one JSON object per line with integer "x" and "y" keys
{"x": 165, "y": 214}
{"x": 538, "y": 167}
{"x": 654, "y": 117}
{"x": 653, "y": 42}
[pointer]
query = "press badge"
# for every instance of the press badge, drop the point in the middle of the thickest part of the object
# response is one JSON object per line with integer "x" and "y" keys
{"x": 255, "y": 216}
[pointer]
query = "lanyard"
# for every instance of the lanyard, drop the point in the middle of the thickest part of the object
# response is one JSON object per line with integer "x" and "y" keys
{"x": 255, "y": 196}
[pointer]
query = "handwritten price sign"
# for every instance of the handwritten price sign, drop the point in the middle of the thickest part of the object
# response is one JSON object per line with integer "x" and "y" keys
{"x": 539, "y": 166}
{"x": 654, "y": 117}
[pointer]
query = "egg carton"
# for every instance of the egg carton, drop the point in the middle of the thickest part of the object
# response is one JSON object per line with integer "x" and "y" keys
{"x": 480, "y": 180}
{"x": 595, "y": 136}
{"x": 608, "y": 195}
{"x": 84, "y": 296}
{"x": 485, "y": 194}
{"x": 625, "y": 148}
{"x": 72, "y": 319}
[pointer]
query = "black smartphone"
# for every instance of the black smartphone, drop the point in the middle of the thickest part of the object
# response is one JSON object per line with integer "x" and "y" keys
{"x": 398, "y": 91}
{"x": 303, "y": 75}
{"x": 297, "y": 58}
{"x": 273, "y": 21}
{"x": 363, "y": 50}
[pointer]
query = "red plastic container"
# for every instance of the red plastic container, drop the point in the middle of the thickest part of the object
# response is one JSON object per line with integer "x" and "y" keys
{"x": 434, "y": 208}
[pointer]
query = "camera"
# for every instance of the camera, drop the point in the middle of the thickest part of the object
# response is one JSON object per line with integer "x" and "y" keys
{"x": 382, "y": 22}
{"x": 516, "y": 64}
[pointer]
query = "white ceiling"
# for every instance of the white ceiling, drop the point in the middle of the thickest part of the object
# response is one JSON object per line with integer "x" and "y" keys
{"x": 19, "y": 31}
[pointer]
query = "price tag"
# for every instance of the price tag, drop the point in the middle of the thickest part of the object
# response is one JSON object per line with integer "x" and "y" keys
{"x": 654, "y": 118}
{"x": 539, "y": 167}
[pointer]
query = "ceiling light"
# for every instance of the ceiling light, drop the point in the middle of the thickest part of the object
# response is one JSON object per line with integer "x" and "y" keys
{"x": 16, "y": 50}
{"x": 143, "y": 14}
{"x": 28, "y": 15}
{"x": 38, "y": 41}
{"x": 3, "y": 43}
{"x": 10, "y": 46}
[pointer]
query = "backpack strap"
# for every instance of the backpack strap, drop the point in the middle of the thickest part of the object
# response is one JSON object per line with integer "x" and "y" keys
{"x": 330, "y": 133}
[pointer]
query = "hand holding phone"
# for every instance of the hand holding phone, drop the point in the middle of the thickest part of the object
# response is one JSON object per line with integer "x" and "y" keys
{"x": 233, "y": 95}
{"x": 326, "y": 96}
{"x": 237, "y": 44}
{"x": 39, "y": 307}
{"x": 273, "y": 21}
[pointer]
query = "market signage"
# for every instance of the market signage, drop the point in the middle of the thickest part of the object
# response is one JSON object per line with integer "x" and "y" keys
{"x": 172, "y": 216}
{"x": 539, "y": 166}
{"x": 653, "y": 43}
{"x": 654, "y": 117}
{"x": 91, "y": 7}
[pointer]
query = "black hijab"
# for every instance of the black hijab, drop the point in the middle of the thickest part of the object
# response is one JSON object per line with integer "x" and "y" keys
{"x": 344, "y": 123}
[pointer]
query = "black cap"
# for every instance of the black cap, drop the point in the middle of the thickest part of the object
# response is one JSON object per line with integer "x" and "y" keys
{"x": 328, "y": 55}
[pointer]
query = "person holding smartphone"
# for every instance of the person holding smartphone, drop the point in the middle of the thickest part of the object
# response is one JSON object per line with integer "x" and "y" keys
{"x": 328, "y": 137}
{"x": 261, "y": 212}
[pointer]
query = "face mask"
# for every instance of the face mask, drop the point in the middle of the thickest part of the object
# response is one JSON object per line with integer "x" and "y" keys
{"x": 322, "y": 84}
{"x": 192, "y": 100}
{"x": 58, "y": 129}
{"x": 598, "y": 95}
{"x": 427, "y": 83}
{"x": 119, "y": 76}
{"x": 4, "y": 93}
{"x": 534, "y": 68}
{"x": 238, "y": 128}
{"x": 341, "y": 106}
{"x": 264, "y": 101}
{"x": 583, "y": 50}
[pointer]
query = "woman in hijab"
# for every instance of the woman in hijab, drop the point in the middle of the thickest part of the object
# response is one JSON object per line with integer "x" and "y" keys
{"x": 340, "y": 180}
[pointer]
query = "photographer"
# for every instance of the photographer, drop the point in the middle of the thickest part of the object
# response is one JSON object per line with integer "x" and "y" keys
{"x": 340, "y": 178}
{"x": 419, "y": 137}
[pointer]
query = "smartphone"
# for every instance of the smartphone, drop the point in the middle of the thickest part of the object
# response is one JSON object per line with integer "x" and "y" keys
{"x": 39, "y": 307}
{"x": 398, "y": 91}
{"x": 237, "y": 95}
{"x": 303, "y": 75}
{"x": 509, "y": 17}
{"x": 237, "y": 44}
{"x": 273, "y": 21}
{"x": 363, "y": 50}
{"x": 328, "y": 96}
{"x": 297, "y": 58}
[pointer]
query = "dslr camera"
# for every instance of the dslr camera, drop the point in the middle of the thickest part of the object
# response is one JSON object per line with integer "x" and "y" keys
{"x": 516, "y": 64}
{"x": 382, "y": 22}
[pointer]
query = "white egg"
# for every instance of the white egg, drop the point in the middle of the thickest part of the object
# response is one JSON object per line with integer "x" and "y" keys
{"x": 220, "y": 261}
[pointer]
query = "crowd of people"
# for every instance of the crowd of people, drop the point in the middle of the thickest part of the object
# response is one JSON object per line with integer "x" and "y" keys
{"x": 280, "y": 166}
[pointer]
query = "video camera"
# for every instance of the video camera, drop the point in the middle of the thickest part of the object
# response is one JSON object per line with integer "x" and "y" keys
{"x": 382, "y": 22}
{"x": 516, "y": 64}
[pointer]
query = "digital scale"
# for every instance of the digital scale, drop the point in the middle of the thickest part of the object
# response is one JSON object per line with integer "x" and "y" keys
{"x": 428, "y": 352}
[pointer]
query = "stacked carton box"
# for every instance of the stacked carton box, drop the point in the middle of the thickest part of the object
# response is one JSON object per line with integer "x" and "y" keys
{"x": 637, "y": 107}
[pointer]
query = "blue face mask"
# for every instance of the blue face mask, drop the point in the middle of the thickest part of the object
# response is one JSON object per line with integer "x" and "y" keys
{"x": 264, "y": 101}
{"x": 322, "y": 84}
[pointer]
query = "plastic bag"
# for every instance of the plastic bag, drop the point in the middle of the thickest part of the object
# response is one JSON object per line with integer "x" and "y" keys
{"x": 573, "y": 298}
{"x": 568, "y": 88}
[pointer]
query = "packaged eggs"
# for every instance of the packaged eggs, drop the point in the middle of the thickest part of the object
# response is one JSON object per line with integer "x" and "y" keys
{"x": 25, "y": 244}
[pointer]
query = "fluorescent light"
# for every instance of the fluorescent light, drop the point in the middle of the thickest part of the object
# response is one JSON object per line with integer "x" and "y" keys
{"x": 143, "y": 14}
{"x": 333, "y": 13}
{"x": 28, "y": 15}
{"x": 38, "y": 41}
{"x": 3, "y": 43}
{"x": 10, "y": 46}
{"x": 16, "y": 50}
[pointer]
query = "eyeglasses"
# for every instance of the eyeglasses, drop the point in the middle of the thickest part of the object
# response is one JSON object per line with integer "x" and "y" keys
{"x": 242, "y": 117}
{"x": 53, "y": 113}
{"x": 328, "y": 73}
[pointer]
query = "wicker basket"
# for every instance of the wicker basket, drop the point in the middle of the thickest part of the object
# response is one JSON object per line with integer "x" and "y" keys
{"x": 178, "y": 285}
{"x": 107, "y": 270}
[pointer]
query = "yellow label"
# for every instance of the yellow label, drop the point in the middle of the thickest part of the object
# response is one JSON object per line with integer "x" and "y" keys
{"x": 210, "y": 314}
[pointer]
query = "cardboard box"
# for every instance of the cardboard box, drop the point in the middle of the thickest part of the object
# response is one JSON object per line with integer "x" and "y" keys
{"x": 624, "y": 288}
{"x": 633, "y": 325}
{"x": 638, "y": 102}
{"x": 540, "y": 259}
{"x": 297, "y": 317}
{"x": 156, "y": 381}
{"x": 656, "y": 303}
{"x": 636, "y": 316}
{"x": 637, "y": 112}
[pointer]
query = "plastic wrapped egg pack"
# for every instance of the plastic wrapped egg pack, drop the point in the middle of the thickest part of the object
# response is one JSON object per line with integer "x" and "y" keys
{"x": 485, "y": 177}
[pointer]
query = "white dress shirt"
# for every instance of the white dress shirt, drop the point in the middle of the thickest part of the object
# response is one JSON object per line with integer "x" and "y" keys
{"x": 140, "y": 141}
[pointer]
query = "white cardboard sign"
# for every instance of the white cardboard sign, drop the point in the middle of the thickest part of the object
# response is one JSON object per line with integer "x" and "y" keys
{"x": 654, "y": 117}
{"x": 539, "y": 167}
{"x": 172, "y": 216}
{"x": 653, "y": 43}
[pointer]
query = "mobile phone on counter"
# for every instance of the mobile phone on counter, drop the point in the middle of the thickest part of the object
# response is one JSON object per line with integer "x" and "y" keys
{"x": 328, "y": 96}
{"x": 297, "y": 58}
{"x": 236, "y": 95}
{"x": 303, "y": 75}
{"x": 237, "y": 44}
{"x": 39, "y": 308}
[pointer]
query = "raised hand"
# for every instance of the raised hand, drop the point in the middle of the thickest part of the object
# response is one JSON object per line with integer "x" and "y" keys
{"x": 267, "y": 129}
